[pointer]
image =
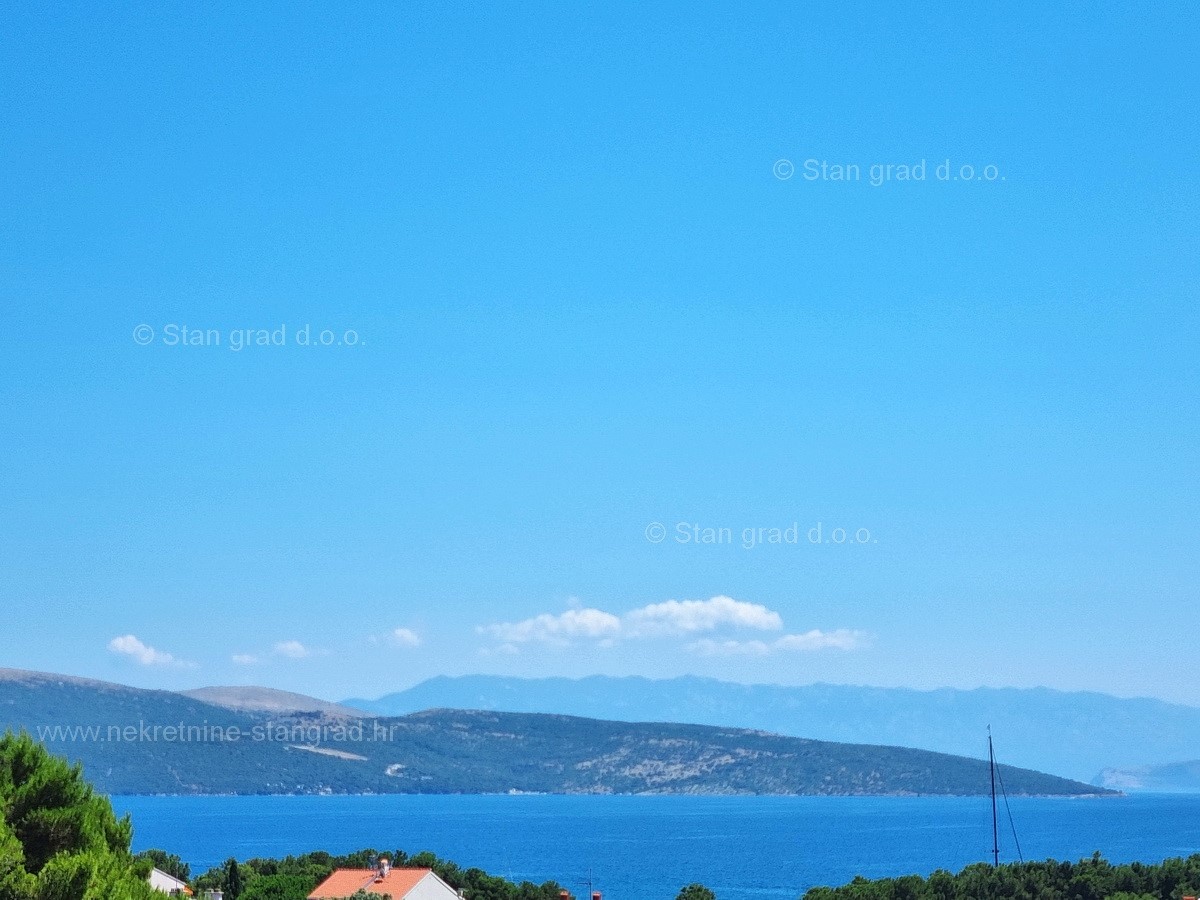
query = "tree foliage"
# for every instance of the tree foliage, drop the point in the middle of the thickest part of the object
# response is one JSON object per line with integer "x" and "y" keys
{"x": 58, "y": 839}
{"x": 695, "y": 891}
{"x": 167, "y": 862}
{"x": 294, "y": 877}
{"x": 232, "y": 882}
{"x": 280, "y": 887}
{"x": 1088, "y": 879}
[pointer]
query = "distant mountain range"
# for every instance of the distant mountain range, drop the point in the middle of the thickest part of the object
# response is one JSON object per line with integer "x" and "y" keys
{"x": 1172, "y": 778}
{"x": 139, "y": 741}
{"x": 260, "y": 699}
{"x": 1073, "y": 734}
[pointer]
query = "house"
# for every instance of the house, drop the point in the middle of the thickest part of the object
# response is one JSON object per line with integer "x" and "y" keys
{"x": 169, "y": 884}
{"x": 399, "y": 884}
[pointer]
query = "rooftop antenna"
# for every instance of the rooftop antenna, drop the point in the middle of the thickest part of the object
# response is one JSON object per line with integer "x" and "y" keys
{"x": 588, "y": 882}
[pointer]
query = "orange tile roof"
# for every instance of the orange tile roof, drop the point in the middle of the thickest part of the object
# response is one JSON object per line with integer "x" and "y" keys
{"x": 346, "y": 882}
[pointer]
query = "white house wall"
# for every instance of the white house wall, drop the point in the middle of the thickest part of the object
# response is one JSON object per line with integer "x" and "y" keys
{"x": 431, "y": 888}
{"x": 165, "y": 883}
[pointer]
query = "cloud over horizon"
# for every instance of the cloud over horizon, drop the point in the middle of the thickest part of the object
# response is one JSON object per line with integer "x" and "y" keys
{"x": 674, "y": 617}
{"x": 405, "y": 637}
{"x": 840, "y": 639}
{"x": 129, "y": 645}
{"x": 292, "y": 650}
{"x": 670, "y": 618}
{"x": 557, "y": 629}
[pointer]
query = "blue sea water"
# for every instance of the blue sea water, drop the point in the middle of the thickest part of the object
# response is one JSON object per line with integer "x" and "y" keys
{"x": 646, "y": 848}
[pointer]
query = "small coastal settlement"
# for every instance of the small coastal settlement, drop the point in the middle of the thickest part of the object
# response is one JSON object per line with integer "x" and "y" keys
{"x": 399, "y": 884}
{"x": 382, "y": 881}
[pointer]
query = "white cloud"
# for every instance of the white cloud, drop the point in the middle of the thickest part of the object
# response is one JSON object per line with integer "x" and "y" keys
{"x": 500, "y": 650}
{"x": 244, "y": 659}
{"x": 405, "y": 637}
{"x": 841, "y": 639}
{"x": 129, "y": 645}
{"x": 671, "y": 618}
{"x": 292, "y": 650}
{"x": 692, "y": 616}
{"x": 557, "y": 629}
{"x": 709, "y": 647}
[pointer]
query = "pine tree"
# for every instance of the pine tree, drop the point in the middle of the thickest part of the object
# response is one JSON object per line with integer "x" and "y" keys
{"x": 58, "y": 839}
{"x": 233, "y": 880}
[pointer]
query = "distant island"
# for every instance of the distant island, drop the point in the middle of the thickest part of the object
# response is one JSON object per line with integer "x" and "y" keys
{"x": 134, "y": 741}
{"x": 1169, "y": 778}
{"x": 1070, "y": 733}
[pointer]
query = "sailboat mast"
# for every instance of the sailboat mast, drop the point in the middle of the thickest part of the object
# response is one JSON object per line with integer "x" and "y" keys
{"x": 995, "y": 827}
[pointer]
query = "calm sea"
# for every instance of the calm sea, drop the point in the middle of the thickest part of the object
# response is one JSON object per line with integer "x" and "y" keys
{"x": 646, "y": 848}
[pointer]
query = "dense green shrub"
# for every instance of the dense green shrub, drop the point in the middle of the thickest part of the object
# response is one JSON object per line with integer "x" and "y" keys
{"x": 1088, "y": 879}
{"x": 294, "y": 877}
{"x": 58, "y": 839}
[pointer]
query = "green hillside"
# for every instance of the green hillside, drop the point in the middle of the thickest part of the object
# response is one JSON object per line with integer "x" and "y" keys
{"x": 137, "y": 741}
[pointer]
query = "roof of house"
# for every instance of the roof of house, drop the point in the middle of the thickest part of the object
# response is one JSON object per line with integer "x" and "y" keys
{"x": 164, "y": 881}
{"x": 346, "y": 882}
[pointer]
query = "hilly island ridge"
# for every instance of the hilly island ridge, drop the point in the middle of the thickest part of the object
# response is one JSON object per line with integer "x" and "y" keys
{"x": 1077, "y": 734}
{"x": 137, "y": 741}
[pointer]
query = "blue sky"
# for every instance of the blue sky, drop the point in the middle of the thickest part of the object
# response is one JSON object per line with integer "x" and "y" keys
{"x": 567, "y": 296}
